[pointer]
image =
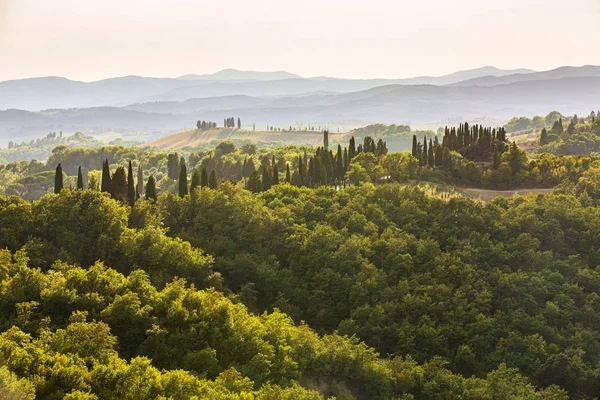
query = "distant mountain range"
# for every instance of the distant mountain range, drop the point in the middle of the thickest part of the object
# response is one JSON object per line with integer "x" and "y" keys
{"x": 36, "y": 94}
{"x": 236, "y": 75}
{"x": 158, "y": 104}
{"x": 558, "y": 73}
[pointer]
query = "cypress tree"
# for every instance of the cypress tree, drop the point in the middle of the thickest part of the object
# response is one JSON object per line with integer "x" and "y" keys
{"x": 212, "y": 180}
{"x": 173, "y": 166}
{"x": 249, "y": 167}
{"x": 106, "y": 179}
{"x": 351, "y": 148}
{"x": 310, "y": 173}
{"x": 544, "y": 137}
{"x": 183, "y": 184}
{"x": 266, "y": 178}
{"x": 58, "y": 179}
{"x": 414, "y": 147}
{"x": 140, "y": 180}
{"x": 423, "y": 155}
{"x": 287, "y": 173}
{"x": 346, "y": 161}
{"x": 239, "y": 123}
{"x": 325, "y": 139}
{"x": 496, "y": 159}
{"x": 130, "y": 185}
{"x": 438, "y": 151}
{"x": 195, "y": 180}
{"x": 79, "y": 179}
{"x": 204, "y": 178}
{"x": 119, "y": 184}
{"x": 339, "y": 163}
{"x": 254, "y": 184}
{"x": 301, "y": 170}
{"x": 275, "y": 175}
{"x": 151, "y": 188}
{"x": 430, "y": 159}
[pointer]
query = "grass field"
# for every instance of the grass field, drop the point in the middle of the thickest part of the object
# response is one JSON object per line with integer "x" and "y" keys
{"x": 487, "y": 195}
{"x": 195, "y": 138}
{"x": 448, "y": 191}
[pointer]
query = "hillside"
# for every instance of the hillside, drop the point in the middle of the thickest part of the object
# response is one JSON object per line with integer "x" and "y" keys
{"x": 195, "y": 138}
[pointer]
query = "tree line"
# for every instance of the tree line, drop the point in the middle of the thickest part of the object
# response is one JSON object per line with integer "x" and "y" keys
{"x": 204, "y": 125}
{"x": 230, "y": 123}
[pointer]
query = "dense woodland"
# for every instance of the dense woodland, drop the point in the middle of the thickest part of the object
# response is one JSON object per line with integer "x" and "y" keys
{"x": 206, "y": 295}
{"x": 302, "y": 273}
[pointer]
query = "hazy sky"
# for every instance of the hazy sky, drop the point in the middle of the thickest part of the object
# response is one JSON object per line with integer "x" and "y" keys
{"x": 89, "y": 40}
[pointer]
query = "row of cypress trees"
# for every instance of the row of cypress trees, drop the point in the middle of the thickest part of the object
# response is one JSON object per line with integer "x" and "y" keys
{"x": 474, "y": 143}
{"x": 324, "y": 168}
{"x": 199, "y": 179}
{"x": 120, "y": 185}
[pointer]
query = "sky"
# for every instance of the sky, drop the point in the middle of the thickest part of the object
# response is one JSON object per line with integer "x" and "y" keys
{"x": 90, "y": 40}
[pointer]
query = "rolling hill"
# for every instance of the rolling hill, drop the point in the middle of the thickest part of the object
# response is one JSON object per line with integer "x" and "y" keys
{"x": 558, "y": 73}
{"x": 193, "y": 138}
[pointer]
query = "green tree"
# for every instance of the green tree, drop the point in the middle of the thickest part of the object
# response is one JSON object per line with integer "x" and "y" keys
{"x": 287, "y": 173}
{"x": 424, "y": 153}
{"x": 140, "y": 180}
{"x": 415, "y": 147}
{"x": 212, "y": 180}
{"x": 130, "y": 185}
{"x": 183, "y": 183}
{"x": 254, "y": 184}
{"x": 357, "y": 174}
{"x": 544, "y": 137}
{"x": 351, "y": 149}
{"x": 267, "y": 180}
{"x": 58, "y": 179}
{"x": 204, "y": 178}
{"x": 195, "y": 180}
{"x": 430, "y": 156}
{"x": 150, "y": 192}
{"x": 275, "y": 175}
{"x": 106, "y": 178}
{"x": 119, "y": 185}
{"x": 516, "y": 158}
{"x": 79, "y": 179}
{"x": 14, "y": 388}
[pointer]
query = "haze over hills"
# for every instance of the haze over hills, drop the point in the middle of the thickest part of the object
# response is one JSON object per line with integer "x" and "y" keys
{"x": 558, "y": 73}
{"x": 236, "y": 75}
{"x": 159, "y": 104}
{"x": 37, "y": 94}
{"x": 418, "y": 104}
